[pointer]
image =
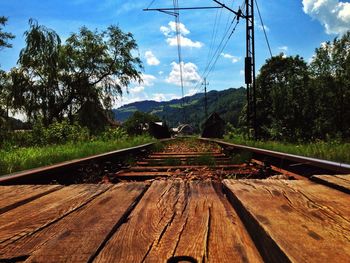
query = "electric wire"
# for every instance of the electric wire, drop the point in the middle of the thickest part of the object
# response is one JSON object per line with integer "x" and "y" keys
{"x": 150, "y": 4}
{"x": 219, "y": 50}
{"x": 263, "y": 27}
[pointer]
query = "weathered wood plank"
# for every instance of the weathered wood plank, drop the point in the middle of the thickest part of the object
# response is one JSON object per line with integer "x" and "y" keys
{"x": 14, "y": 196}
{"x": 78, "y": 237}
{"x": 339, "y": 182}
{"x": 175, "y": 218}
{"x": 297, "y": 221}
{"x": 34, "y": 216}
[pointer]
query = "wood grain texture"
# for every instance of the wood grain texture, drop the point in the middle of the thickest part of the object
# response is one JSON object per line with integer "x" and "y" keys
{"x": 78, "y": 237}
{"x": 339, "y": 182}
{"x": 178, "y": 218}
{"x": 34, "y": 216}
{"x": 297, "y": 221}
{"x": 14, "y": 196}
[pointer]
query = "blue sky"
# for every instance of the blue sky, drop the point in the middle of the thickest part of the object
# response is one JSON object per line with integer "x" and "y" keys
{"x": 293, "y": 27}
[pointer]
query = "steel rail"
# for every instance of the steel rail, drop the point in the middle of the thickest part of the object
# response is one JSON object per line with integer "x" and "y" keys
{"x": 38, "y": 174}
{"x": 336, "y": 167}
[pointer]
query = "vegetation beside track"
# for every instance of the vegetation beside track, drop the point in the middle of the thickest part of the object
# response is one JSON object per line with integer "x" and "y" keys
{"x": 333, "y": 150}
{"x": 23, "y": 158}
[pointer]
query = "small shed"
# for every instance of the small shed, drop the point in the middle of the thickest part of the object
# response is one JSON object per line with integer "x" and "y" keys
{"x": 214, "y": 127}
{"x": 159, "y": 131}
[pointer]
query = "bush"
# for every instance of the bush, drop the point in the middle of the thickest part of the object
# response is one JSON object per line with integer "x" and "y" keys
{"x": 114, "y": 134}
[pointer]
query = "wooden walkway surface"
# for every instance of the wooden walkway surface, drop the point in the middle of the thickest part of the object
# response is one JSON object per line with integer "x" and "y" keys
{"x": 169, "y": 220}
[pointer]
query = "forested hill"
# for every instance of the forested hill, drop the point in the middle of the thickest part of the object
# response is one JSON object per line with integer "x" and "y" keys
{"x": 228, "y": 103}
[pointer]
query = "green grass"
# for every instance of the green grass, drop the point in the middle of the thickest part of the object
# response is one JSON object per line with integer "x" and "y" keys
{"x": 19, "y": 159}
{"x": 332, "y": 151}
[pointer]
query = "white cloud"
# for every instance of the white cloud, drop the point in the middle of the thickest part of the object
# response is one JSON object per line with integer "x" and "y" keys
{"x": 189, "y": 73}
{"x": 151, "y": 58}
{"x": 241, "y": 72}
{"x": 233, "y": 59}
{"x": 171, "y": 28}
{"x": 170, "y": 33}
{"x": 184, "y": 42}
{"x": 147, "y": 80}
{"x": 137, "y": 89}
{"x": 160, "y": 72}
{"x": 334, "y": 15}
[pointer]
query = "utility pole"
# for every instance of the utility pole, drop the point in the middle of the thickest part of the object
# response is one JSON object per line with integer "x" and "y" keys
{"x": 250, "y": 66}
{"x": 249, "y": 61}
{"x": 250, "y": 53}
{"x": 205, "y": 83}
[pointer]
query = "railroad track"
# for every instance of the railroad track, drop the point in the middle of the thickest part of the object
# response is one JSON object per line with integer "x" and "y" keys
{"x": 189, "y": 201}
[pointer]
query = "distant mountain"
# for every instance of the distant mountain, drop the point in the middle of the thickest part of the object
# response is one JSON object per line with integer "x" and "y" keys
{"x": 227, "y": 103}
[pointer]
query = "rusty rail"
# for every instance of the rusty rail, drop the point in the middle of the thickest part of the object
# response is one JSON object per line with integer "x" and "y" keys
{"x": 289, "y": 161}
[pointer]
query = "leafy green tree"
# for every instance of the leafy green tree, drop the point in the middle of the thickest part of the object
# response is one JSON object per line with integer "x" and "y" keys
{"x": 4, "y": 36}
{"x": 4, "y": 80}
{"x": 284, "y": 99}
{"x": 36, "y": 87}
{"x": 330, "y": 71}
{"x": 83, "y": 75}
{"x": 97, "y": 66}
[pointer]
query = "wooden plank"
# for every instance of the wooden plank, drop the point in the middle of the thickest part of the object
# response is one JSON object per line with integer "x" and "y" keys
{"x": 175, "y": 219}
{"x": 78, "y": 237}
{"x": 294, "y": 221}
{"x": 16, "y": 195}
{"x": 34, "y": 216}
{"x": 339, "y": 182}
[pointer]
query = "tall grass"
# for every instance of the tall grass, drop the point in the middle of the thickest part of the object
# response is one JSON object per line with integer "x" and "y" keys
{"x": 18, "y": 159}
{"x": 334, "y": 150}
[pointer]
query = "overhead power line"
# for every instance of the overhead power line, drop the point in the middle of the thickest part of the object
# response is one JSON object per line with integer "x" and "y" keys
{"x": 263, "y": 27}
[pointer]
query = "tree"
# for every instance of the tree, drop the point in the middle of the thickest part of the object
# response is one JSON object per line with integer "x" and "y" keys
{"x": 284, "y": 99}
{"x": 330, "y": 71}
{"x": 36, "y": 87}
{"x": 4, "y": 80}
{"x": 4, "y": 36}
{"x": 98, "y": 65}
{"x": 85, "y": 73}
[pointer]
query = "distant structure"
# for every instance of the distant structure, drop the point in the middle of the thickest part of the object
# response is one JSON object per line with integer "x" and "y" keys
{"x": 184, "y": 129}
{"x": 159, "y": 130}
{"x": 214, "y": 127}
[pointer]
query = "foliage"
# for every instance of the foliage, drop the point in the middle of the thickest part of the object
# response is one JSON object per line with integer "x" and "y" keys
{"x": 283, "y": 99}
{"x": 83, "y": 75}
{"x": 117, "y": 133}
{"x": 4, "y": 36}
{"x": 18, "y": 159}
{"x": 137, "y": 123}
{"x": 228, "y": 103}
{"x": 300, "y": 102}
{"x": 333, "y": 150}
{"x": 330, "y": 71}
{"x": 55, "y": 133}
